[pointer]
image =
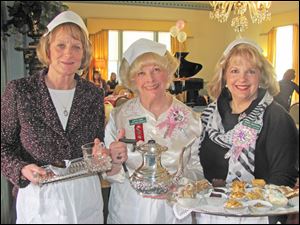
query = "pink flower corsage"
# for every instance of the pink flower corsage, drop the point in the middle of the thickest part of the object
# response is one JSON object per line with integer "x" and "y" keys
{"x": 176, "y": 118}
{"x": 243, "y": 137}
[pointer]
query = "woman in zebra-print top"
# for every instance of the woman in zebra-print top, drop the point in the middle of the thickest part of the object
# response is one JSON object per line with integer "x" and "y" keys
{"x": 246, "y": 134}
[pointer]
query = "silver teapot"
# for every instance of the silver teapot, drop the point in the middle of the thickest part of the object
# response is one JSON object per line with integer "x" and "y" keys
{"x": 151, "y": 178}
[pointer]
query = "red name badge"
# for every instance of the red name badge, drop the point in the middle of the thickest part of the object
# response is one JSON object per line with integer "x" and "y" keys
{"x": 139, "y": 132}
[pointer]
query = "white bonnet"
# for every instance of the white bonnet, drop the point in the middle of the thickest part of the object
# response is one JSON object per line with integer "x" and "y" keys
{"x": 142, "y": 46}
{"x": 241, "y": 41}
{"x": 67, "y": 17}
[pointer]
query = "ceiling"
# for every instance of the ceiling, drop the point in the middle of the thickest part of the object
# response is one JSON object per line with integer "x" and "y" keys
{"x": 276, "y": 7}
{"x": 284, "y": 6}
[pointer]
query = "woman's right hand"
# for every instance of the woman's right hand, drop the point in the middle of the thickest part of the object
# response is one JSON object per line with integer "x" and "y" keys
{"x": 99, "y": 149}
{"x": 32, "y": 172}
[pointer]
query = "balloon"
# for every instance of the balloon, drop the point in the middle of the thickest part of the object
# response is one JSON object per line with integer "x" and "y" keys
{"x": 181, "y": 37}
{"x": 180, "y": 24}
{"x": 174, "y": 31}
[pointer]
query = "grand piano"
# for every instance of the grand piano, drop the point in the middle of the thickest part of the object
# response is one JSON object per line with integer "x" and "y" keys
{"x": 184, "y": 80}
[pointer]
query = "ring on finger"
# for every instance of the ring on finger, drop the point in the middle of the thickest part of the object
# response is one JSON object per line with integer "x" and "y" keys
{"x": 35, "y": 175}
{"x": 119, "y": 156}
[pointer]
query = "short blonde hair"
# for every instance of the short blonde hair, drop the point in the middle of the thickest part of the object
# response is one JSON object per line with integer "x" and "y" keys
{"x": 128, "y": 72}
{"x": 76, "y": 32}
{"x": 268, "y": 77}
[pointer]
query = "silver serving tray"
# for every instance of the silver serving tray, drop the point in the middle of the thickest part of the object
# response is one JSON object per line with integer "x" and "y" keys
{"x": 200, "y": 204}
{"x": 77, "y": 169}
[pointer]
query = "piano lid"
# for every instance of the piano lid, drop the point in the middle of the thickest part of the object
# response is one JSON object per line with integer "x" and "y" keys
{"x": 186, "y": 68}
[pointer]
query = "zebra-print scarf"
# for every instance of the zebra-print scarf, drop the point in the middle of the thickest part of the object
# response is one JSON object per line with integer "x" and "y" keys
{"x": 241, "y": 140}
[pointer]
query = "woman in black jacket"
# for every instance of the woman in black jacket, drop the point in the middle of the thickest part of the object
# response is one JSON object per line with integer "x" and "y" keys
{"x": 46, "y": 118}
{"x": 246, "y": 134}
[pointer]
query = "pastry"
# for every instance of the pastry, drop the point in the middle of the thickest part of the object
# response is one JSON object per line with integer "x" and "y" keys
{"x": 254, "y": 195}
{"x": 218, "y": 182}
{"x": 238, "y": 186}
{"x": 231, "y": 203}
{"x": 287, "y": 191}
{"x": 277, "y": 198}
{"x": 237, "y": 195}
{"x": 217, "y": 195}
{"x": 202, "y": 185}
{"x": 221, "y": 190}
{"x": 258, "y": 205}
{"x": 258, "y": 182}
{"x": 293, "y": 193}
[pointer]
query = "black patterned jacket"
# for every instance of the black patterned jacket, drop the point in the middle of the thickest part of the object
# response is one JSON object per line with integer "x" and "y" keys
{"x": 31, "y": 131}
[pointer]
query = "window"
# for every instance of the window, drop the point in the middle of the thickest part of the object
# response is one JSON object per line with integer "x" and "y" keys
{"x": 113, "y": 52}
{"x": 119, "y": 41}
{"x": 131, "y": 36}
{"x": 164, "y": 37}
{"x": 284, "y": 50}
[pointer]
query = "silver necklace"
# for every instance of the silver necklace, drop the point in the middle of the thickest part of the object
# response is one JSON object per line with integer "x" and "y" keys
{"x": 65, "y": 111}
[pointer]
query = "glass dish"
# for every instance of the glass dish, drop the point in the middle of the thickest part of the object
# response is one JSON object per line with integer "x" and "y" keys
{"x": 78, "y": 168}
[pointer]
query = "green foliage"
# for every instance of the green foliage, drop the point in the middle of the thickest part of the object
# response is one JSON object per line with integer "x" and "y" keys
{"x": 31, "y": 17}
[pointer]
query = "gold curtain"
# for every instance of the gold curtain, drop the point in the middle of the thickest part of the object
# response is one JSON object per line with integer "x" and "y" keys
{"x": 176, "y": 46}
{"x": 99, "y": 43}
{"x": 295, "y": 97}
{"x": 272, "y": 46}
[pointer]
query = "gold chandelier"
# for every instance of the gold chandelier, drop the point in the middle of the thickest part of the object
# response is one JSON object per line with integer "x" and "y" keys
{"x": 259, "y": 12}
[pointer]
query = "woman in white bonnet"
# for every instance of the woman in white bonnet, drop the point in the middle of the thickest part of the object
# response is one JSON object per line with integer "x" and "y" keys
{"x": 147, "y": 69}
{"x": 247, "y": 135}
{"x": 45, "y": 119}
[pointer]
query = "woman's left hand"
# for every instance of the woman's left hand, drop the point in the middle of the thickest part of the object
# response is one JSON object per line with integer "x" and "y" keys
{"x": 118, "y": 150}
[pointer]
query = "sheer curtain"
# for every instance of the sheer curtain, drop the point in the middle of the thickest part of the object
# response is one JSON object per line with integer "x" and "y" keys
{"x": 295, "y": 97}
{"x": 272, "y": 54}
{"x": 272, "y": 46}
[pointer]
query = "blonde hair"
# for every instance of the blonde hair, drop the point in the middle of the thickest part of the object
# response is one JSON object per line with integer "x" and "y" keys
{"x": 268, "y": 77}
{"x": 128, "y": 72}
{"x": 76, "y": 32}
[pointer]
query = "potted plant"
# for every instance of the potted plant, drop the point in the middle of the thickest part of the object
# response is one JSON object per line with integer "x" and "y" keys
{"x": 31, "y": 17}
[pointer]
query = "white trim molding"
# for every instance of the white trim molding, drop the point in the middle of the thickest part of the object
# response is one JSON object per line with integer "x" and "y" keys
{"x": 195, "y": 5}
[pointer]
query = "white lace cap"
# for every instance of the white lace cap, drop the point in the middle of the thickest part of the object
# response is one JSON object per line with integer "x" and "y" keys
{"x": 242, "y": 41}
{"x": 67, "y": 17}
{"x": 142, "y": 46}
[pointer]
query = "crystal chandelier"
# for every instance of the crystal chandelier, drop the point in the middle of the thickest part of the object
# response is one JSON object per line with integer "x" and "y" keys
{"x": 258, "y": 10}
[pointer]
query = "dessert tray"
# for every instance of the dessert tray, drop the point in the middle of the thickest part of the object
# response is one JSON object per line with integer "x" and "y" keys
{"x": 76, "y": 168}
{"x": 250, "y": 201}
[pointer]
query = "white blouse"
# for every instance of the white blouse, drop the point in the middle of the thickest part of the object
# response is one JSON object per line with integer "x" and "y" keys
{"x": 175, "y": 129}
{"x": 62, "y": 100}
